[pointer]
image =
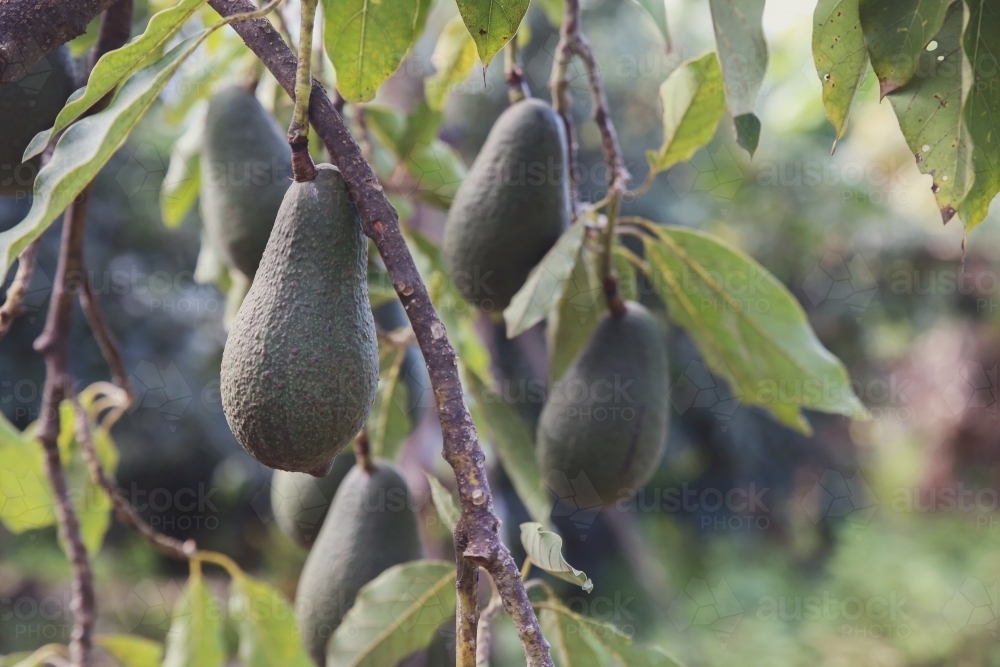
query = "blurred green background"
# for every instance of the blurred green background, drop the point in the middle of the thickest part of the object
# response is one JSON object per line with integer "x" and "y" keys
{"x": 870, "y": 543}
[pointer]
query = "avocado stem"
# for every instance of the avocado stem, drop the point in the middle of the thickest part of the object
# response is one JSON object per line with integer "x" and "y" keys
{"x": 362, "y": 452}
{"x": 517, "y": 87}
{"x": 298, "y": 131}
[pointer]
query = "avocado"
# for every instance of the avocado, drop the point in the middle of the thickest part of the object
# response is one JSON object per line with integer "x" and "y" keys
{"x": 300, "y": 368}
{"x": 371, "y": 526}
{"x": 27, "y": 107}
{"x": 300, "y": 501}
{"x": 606, "y": 418}
{"x": 512, "y": 207}
{"x": 246, "y": 167}
{"x": 413, "y": 371}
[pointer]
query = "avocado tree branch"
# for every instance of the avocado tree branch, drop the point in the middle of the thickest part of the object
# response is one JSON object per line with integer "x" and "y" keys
{"x": 13, "y": 305}
{"x": 477, "y": 538}
{"x": 517, "y": 87}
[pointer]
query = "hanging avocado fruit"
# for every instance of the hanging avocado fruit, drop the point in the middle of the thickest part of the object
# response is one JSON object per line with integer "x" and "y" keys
{"x": 246, "y": 169}
{"x": 300, "y": 367}
{"x": 512, "y": 207}
{"x": 606, "y": 418}
{"x": 300, "y": 501}
{"x": 29, "y": 106}
{"x": 371, "y": 527}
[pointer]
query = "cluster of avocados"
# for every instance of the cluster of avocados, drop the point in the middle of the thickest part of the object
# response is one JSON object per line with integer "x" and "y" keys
{"x": 300, "y": 369}
{"x": 27, "y": 107}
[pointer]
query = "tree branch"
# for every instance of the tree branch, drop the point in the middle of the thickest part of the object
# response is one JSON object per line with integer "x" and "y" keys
{"x": 13, "y": 305}
{"x": 30, "y": 30}
{"x": 477, "y": 535}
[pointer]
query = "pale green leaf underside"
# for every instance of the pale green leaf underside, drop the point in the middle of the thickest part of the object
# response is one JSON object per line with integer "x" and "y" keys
{"x": 86, "y": 147}
{"x": 841, "y": 57}
{"x": 395, "y": 615}
{"x": 545, "y": 284}
{"x": 444, "y": 503}
{"x": 747, "y": 326}
{"x": 367, "y": 40}
{"x": 982, "y": 108}
{"x": 453, "y": 59}
{"x": 132, "y": 650}
{"x": 513, "y": 442}
{"x": 116, "y": 65}
{"x": 544, "y": 548}
{"x": 195, "y": 636}
{"x": 896, "y": 31}
{"x": 929, "y": 109}
{"x": 492, "y": 23}
{"x": 269, "y": 636}
{"x": 179, "y": 190}
{"x": 656, "y": 11}
{"x": 742, "y": 50}
{"x": 693, "y": 102}
{"x": 575, "y": 316}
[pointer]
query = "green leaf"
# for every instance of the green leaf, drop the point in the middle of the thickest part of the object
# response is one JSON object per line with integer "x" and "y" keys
{"x": 514, "y": 444}
{"x": 13, "y": 659}
{"x": 841, "y": 57}
{"x": 388, "y": 425}
{"x": 747, "y": 132}
{"x": 195, "y": 636}
{"x": 929, "y": 109}
{"x": 117, "y": 65}
{"x": 25, "y": 495}
{"x": 367, "y": 41}
{"x": 982, "y": 108}
{"x": 132, "y": 650}
{"x": 87, "y": 146}
{"x": 544, "y": 548}
{"x": 742, "y": 50}
{"x": 492, "y": 23}
{"x": 693, "y": 102}
{"x": 628, "y": 284}
{"x": 545, "y": 283}
{"x": 453, "y": 58}
{"x": 269, "y": 636}
{"x": 747, "y": 326}
{"x": 239, "y": 287}
{"x": 896, "y": 31}
{"x": 656, "y": 10}
{"x": 563, "y": 633}
{"x": 574, "y": 318}
{"x": 436, "y": 171}
{"x": 179, "y": 190}
{"x": 445, "y": 504}
{"x": 395, "y": 615}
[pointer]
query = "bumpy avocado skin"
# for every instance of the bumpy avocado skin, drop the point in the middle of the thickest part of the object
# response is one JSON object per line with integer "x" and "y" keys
{"x": 300, "y": 367}
{"x": 300, "y": 501}
{"x": 512, "y": 207}
{"x": 371, "y": 527}
{"x": 607, "y": 416}
{"x": 245, "y": 171}
{"x": 413, "y": 371}
{"x": 27, "y": 107}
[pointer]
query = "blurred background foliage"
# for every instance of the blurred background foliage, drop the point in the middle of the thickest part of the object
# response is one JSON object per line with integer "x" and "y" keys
{"x": 868, "y": 543}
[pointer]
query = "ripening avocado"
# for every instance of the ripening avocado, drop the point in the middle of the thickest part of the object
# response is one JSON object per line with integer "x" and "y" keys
{"x": 300, "y": 367}
{"x": 246, "y": 167}
{"x": 300, "y": 501}
{"x": 371, "y": 526}
{"x": 413, "y": 371}
{"x": 607, "y": 416}
{"x": 512, "y": 207}
{"x": 27, "y": 107}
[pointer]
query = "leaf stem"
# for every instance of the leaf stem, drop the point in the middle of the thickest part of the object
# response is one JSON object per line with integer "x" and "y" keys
{"x": 517, "y": 87}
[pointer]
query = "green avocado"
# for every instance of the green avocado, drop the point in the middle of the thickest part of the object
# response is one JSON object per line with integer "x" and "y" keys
{"x": 300, "y": 501}
{"x": 413, "y": 371}
{"x": 371, "y": 526}
{"x": 606, "y": 418}
{"x": 27, "y": 107}
{"x": 300, "y": 367}
{"x": 246, "y": 167}
{"x": 512, "y": 207}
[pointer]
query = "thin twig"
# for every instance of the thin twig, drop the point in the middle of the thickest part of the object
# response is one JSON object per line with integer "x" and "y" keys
{"x": 123, "y": 508}
{"x": 13, "y": 305}
{"x": 477, "y": 536}
{"x": 105, "y": 337}
{"x": 517, "y": 87}
{"x": 362, "y": 452}
{"x": 484, "y": 639}
{"x": 298, "y": 132}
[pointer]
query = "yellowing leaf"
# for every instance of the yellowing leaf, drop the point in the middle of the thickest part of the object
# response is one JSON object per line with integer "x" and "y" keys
{"x": 492, "y": 23}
